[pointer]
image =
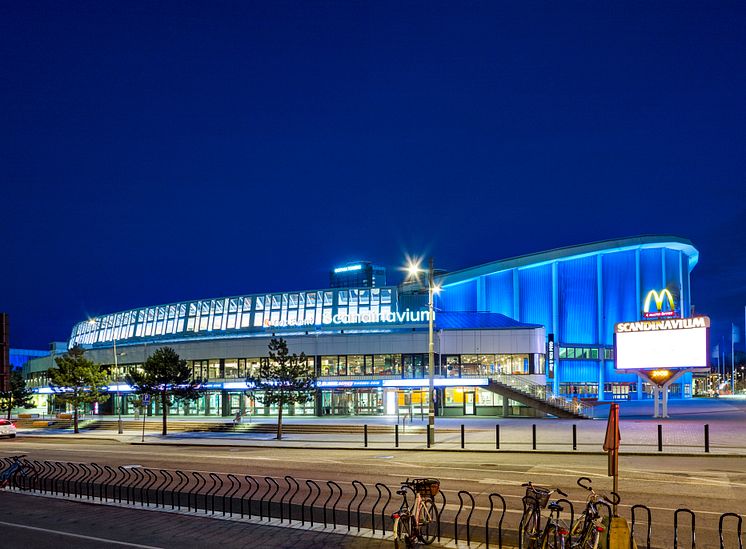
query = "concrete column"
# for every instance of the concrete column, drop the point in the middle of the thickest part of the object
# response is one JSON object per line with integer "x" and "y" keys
{"x": 601, "y": 380}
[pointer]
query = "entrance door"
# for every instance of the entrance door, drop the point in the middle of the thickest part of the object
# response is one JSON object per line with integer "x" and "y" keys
{"x": 469, "y": 408}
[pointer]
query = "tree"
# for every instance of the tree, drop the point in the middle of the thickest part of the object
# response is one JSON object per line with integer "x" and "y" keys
{"x": 166, "y": 377}
{"x": 77, "y": 380}
{"x": 282, "y": 380}
{"x": 18, "y": 396}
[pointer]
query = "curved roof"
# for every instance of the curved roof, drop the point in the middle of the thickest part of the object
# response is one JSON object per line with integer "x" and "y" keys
{"x": 574, "y": 252}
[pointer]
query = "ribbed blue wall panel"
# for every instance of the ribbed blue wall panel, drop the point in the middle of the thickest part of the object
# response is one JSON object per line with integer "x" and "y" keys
{"x": 651, "y": 272}
{"x": 579, "y": 370}
{"x": 460, "y": 297}
{"x": 619, "y": 303}
{"x": 535, "y": 289}
{"x": 611, "y": 375}
{"x": 673, "y": 266}
{"x": 578, "y": 300}
{"x": 499, "y": 288}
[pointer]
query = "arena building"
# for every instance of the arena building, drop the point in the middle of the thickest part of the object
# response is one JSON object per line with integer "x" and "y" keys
{"x": 530, "y": 335}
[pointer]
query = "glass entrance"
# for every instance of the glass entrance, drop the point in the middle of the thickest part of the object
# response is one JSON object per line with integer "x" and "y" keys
{"x": 469, "y": 409}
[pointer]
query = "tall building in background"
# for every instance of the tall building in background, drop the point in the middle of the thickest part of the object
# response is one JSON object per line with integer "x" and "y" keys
{"x": 4, "y": 353}
{"x": 358, "y": 274}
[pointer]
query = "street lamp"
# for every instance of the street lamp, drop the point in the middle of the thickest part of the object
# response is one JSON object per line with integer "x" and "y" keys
{"x": 119, "y": 396}
{"x": 414, "y": 269}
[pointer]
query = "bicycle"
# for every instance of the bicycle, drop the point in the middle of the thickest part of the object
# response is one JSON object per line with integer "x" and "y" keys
{"x": 16, "y": 467}
{"x": 586, "y": 530}
{"x": 420, "y": 521}
{"x": 530, "y": 533}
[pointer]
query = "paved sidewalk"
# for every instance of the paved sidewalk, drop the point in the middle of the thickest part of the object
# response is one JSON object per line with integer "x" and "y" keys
{"x": 682, "y": 433}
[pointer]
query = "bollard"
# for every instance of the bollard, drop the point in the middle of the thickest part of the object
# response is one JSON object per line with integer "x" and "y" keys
{"x": 497, "y": 436}
{"x": 365, "y": 435}
{"x": 462, "y": 436}
{"x": 707, "y": 438}
{"x": 660, "y": 437}
{"x": 574, "y": 437}
{"x": 533, "y": 437}
{"x": 428, "y": 436}
{"x": 396, "y": 435}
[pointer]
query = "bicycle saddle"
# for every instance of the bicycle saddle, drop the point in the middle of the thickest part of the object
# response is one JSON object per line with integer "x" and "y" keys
{"x": 554, "y": 506}
{"x": 401, "y": 492}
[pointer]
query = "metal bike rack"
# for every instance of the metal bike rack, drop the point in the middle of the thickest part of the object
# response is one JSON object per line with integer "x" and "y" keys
{"x": 311, "y": 485}
{"x": 676, "y": 526}
{"x": 461, "y": 493}
{"x": 355, "y": 484}
{"x": 235, "y": 487}
{"x": 201, "y": 481}
{"x": 633, "y": 512}
{"x": 271, "y": 483}
{"x": 332, "y": 485}
{"x": 378, "y": 487}
{"x": 499, "y": 523}
{"x": 440, "y": 511}
{"x": 217, "y": 486}
{"x": 295, "y": 487}
{"x": 251, "y": 491}
{"x": 572, "y": 518}
{"x": 738, "y": 529}
{"x": 183, "y": 483}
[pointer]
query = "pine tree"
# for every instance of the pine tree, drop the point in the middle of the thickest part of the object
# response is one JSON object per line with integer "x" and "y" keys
{"x": 282, "y": 380}
{"x": 166, "y": 377}
{"x": 77, "y": 381}
{"x": 18, "y": 395}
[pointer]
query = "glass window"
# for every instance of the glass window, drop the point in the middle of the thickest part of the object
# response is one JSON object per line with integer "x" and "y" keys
{"x": 485, "y": 398}
{"x": 342, "y": 297}
{"x": 454, "y": 397}
{"x": 214, "y": 370}
{"x": 276, "y": 302}
{"x": 246, "y": 303}
{"x": 385, "y": 295}
{"x": 329, "y": 365}
{"x": 231, "y": 368}
{"x": 293, "y": 301}
{"x": 232, "y": 305}
{"x": 387, "y": 365}
{"x": 259, "y": 303}
{"x": 364, "y": 297}
{"x": 311, "y": 299}
{"x": 355, "y": 365}
{"x": 328, "y": 297}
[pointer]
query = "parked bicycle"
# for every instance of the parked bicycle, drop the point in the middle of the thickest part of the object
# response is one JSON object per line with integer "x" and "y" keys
{"x": 420, "y": 521}
{"x": 17, "y": 467}
{"x": 531, "y": 535}
{"x": 586, "y": 530}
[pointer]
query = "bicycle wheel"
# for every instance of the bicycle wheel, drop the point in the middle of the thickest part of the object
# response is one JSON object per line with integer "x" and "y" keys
{"x": 552, "y": 538}
{"x": 428, "y": 521}
{"x": 403, "y": 531}
{"x": 529, "y": 526}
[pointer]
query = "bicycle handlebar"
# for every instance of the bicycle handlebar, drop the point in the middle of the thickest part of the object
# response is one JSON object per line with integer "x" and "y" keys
{"x": 589, "y": 481}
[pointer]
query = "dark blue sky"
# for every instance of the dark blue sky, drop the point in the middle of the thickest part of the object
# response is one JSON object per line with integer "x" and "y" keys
{"x": 160, "y": 151}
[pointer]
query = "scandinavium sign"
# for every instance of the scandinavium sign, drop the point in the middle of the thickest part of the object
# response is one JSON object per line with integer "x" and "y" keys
{"x": 657, "y": 325}
{"x": 406, "y": 317}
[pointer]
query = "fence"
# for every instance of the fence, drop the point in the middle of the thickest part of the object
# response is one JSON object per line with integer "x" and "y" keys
{"x": 465, "y": 518}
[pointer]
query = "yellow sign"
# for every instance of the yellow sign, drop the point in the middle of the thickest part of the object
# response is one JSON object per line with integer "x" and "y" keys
{"x": 658, "y": 298}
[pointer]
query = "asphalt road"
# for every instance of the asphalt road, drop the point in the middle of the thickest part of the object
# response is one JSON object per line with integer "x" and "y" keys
{"x": 709, "y": 486}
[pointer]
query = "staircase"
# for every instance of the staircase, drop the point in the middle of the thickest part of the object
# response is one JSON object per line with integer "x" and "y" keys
{"x": 537, "y": 396}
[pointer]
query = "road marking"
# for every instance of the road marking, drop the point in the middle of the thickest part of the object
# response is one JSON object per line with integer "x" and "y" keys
{"x": 80, "y": 536}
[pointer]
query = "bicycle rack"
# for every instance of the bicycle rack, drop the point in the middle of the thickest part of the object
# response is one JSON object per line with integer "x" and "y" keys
{"x": 235, "y": 487}
{"x": 355, "y": 484}
{"x": 572, "y": 518}
{"x": 183, "y": 483}
{"x": 633, "y": 521}
{"x": 201, "y": 482}
{"x": 98, "y": 473}
{"x": 676, "y": 526}
{"x": 270, "y": 483}
{"x": 311, "y": 485}
{"x": 160, "y": 489}
{"x": 152, "y": 479}
{"x": 609, "y": 515}
{"x": 440, "y": 511}
{"x": 217, "y": 486}
{"x": 139, "y": 478}
{"x": 292, "y": 485}
{"x": 499, "y": 523}
{"x": 253, "y": 484}
{"x": 460, "y": 493}
{"x": 331, "y": 484}
{"x": 378, "y": 487}
{"x": 720, "y": 529}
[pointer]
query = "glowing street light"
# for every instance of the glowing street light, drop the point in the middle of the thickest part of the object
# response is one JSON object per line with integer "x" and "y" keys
{"x": 413, "y": 269}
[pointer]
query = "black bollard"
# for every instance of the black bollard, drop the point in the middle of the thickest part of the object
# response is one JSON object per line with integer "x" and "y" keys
{"x": 365, "y": 434}
{"x": 574, "y": 437}
{"x": 660, "y": 437}
{"x": 462, "y": 436}
{"x": 497, "y": 437}
{"x": 396, "y": 435}
{"x": 428, "y": 436}
{"x": 533, "y": 437}
{"x": 707, "y": 438}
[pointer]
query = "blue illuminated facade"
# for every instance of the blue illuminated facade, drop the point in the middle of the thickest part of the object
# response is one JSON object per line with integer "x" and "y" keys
{"x": 578, "y": 293}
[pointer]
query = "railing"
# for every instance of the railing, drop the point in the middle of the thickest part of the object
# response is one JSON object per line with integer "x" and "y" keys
{"x": 340, "y": 506}
{"x": 541, "y": 392}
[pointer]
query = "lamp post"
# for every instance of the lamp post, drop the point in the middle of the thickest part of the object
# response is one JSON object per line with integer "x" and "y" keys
{"x": 119, "y": 397}
{"x": 414, "y": 269}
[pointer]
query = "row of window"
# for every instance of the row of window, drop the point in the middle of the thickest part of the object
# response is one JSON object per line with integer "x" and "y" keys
{"x": 585, "y": 353}
{"x": 298, "y": 308}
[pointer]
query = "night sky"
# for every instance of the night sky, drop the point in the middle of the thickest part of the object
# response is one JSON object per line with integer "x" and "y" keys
{"x": 160, "y": 151}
